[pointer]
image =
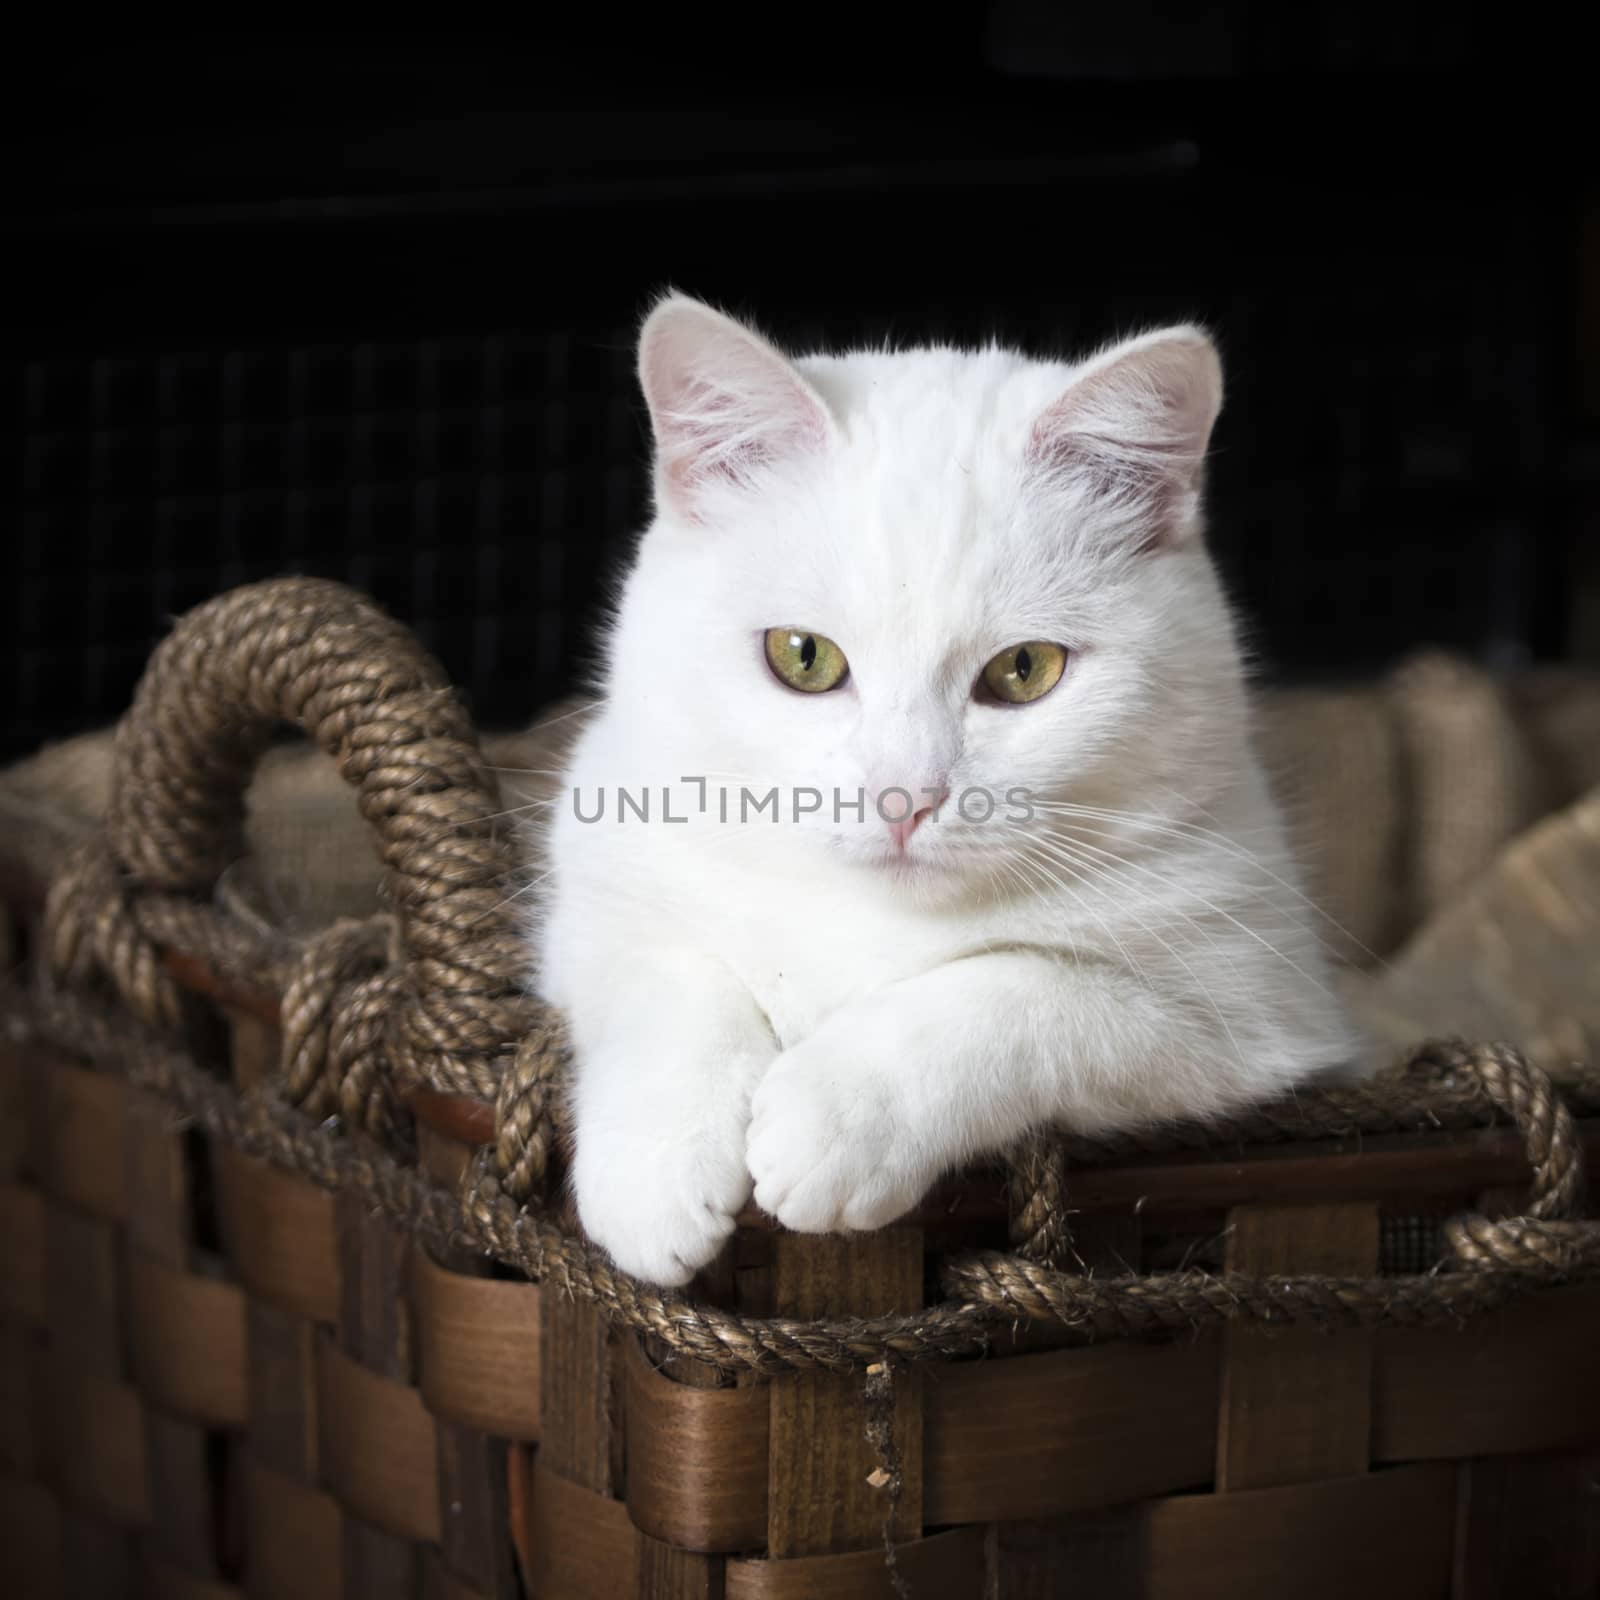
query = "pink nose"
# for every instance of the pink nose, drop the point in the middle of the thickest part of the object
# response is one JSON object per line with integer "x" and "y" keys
{"x": 900, "y": 831}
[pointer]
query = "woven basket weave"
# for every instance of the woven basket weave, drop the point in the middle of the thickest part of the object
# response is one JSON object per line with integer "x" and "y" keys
{"x": 290, "y": 1304}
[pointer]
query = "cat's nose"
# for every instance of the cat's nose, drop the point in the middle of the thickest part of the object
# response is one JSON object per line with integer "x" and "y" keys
{"x": 901, "y": 828}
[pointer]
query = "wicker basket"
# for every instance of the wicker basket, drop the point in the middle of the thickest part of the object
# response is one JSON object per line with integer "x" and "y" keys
{"x": 273, "y": 1205}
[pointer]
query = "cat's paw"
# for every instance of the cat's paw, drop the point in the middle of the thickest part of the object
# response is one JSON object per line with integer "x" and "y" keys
{"x": 661, "y": 1201}
{"x": 826, "y": 1152}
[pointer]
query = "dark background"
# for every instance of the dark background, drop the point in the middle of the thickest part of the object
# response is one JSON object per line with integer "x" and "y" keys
{"x": 363, "y": 304}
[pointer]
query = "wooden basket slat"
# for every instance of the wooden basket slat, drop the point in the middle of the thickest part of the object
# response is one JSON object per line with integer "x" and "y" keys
{"x": 182, "y": 1527}
{"x": 160, "y": 1220}
{"x": 578, "y": 1375}
{"x": 1296, "y": 1403}
{"x": 96, "y": 1447}
{"x": 186, "y": 1338}
{"x": 378, "y": 1446}
{"x": 1040, "y": 1435}
{"x": 164, "y": 1581}
{"x": 697, "y": 1459}
{"x": 23, "y": 1296}
{"x": 1099, "y": 1553}
{"x": 371, "y": 1271}
{"x": 1390, "y": 1168}
{"x": 19, "y": 1109}
{"x": 474, "y": 1511}
{"x": 475, "y": 1341}
{"x": 82, "y": 1160}
{"x": 945, "y": 1566}
{"x": 22, "y": 1364}
{"x": 98, "y": 1557}
{"x": 30, "y": 1536}
{"x": 1518, "y": 1382}
{"x": 664, "y": 1571}
{"x": 185, "y": 1348}
{"x": 440, "y": 1583}
{"x": 281, "y": 1374}
{"x": 84, "y": 1291}
{"x": 293, "y": 1535}
{"x": 278, "y": 1231}
{"x": 477, "y": 1348}
{"x": 377, "y": 1561}
{"x": 1529, "y": 1525}
{"x": 1383, "y": 1536}
{"x": 573, "y": 1540}
{"x": 822, "y": 1493}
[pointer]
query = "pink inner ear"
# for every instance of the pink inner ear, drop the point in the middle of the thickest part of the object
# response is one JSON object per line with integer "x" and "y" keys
{"x": 1118, "y": 467}
{"x": 1133, "y": 435}
{"x": 717, "y": 431}
{"x": 1143, "y": 483}
{"x": 723, "y": 403}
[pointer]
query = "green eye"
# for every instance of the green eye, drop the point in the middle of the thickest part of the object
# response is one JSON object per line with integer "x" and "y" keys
{"x": 1025, "y": 672}
{"x": 805, "y": 661}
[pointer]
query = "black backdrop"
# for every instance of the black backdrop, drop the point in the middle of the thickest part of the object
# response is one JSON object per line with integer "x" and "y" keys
{"x": 362, "y": 305}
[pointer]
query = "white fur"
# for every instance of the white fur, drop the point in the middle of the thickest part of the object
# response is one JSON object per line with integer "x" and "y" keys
{"x": 801, "y": 1009}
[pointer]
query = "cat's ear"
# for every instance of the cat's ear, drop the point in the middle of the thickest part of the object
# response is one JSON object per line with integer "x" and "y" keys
{"x": 724, "y": 404}
{"x": 1132, "y": 431}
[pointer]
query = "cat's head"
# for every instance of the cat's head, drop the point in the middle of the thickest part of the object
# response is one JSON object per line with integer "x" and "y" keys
{"x": 927, "y": 571}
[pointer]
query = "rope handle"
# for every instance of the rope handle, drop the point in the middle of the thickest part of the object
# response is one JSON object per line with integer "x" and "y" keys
{"x": 328, "y": 660}
{"x": 325, "y": 658}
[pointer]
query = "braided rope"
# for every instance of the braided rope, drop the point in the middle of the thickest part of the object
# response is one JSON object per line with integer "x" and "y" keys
{"x": 320, "y": 993}
{"x": 1132, "y": 1307}
{"x": 1037, "y": 1183}
{"x": 1402, "y": 1101}
{"x": 527, "y": 1111}
{"x": 92, "y": 935}
{"x": 320, "y": 656}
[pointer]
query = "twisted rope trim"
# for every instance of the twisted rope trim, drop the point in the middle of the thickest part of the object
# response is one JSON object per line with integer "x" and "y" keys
{"x": 1501, "y": 1260}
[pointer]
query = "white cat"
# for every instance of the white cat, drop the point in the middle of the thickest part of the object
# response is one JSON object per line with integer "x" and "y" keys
{"x": 925, "y": 574}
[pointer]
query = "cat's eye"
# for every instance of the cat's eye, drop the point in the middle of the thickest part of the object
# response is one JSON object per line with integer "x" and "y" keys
{"x": 1025, "y": 672}
{"x": 805, "y": 661}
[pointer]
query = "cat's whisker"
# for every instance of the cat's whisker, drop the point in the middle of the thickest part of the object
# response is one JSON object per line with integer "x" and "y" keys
{"x": 1116, "y": 874}
{"x": 1053, "y": 880}
{"x": 1182, "y": 887}
{"x": 509, "y": 811}
{"x": 1010, "y": 869}
{"x": 1203, "y": 989}
{"x": 1063, "y": 849}
{"x": 1196, "y": 836}
{"x": 517, "y": 894}
{"x": 527, "y": 772}
{"x": 588, "y": 710}
{"x": 1176, "y": 828}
